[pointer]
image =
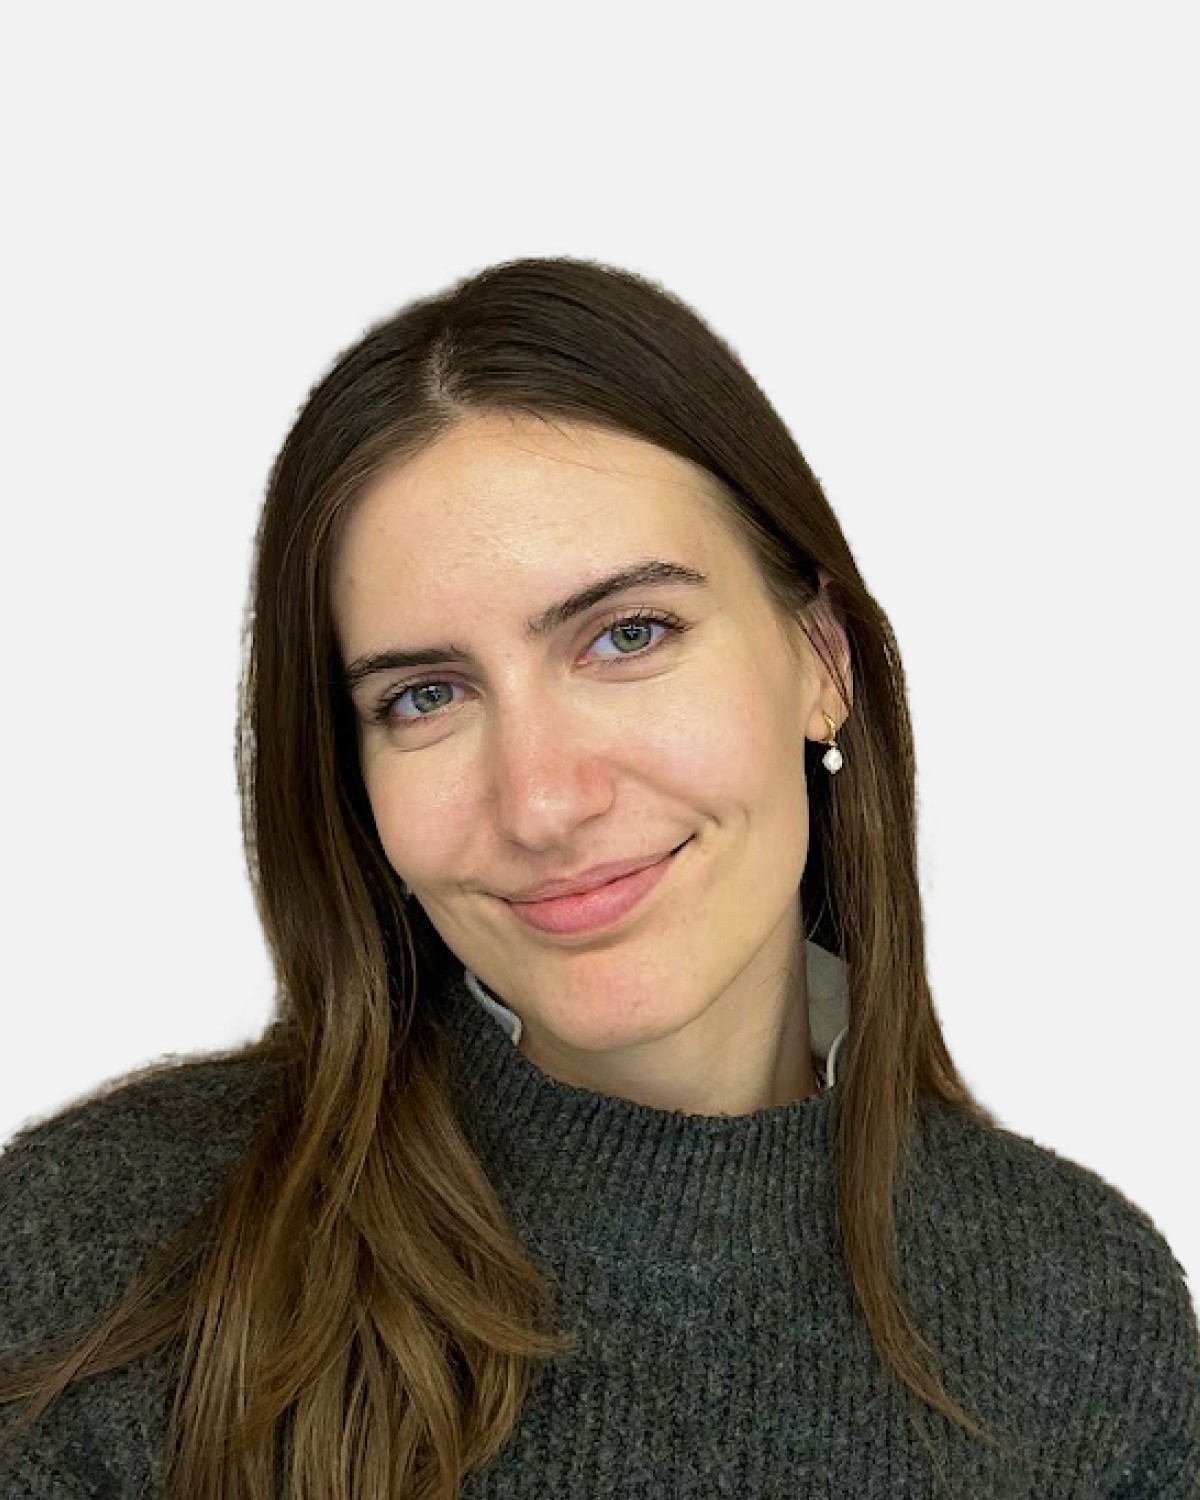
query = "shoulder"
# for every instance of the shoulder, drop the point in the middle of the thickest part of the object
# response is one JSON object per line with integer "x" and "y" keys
{"x": 1028, "y": 1190}
{"x": 1082, "y": 1280}
{"x": 88, "y": 1193}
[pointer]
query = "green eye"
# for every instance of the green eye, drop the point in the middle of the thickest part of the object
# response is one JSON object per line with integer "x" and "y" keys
{"x": 671, "y": 623}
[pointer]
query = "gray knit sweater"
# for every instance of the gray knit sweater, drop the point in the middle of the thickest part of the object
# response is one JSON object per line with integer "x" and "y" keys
{"x": 697, "y": 1258}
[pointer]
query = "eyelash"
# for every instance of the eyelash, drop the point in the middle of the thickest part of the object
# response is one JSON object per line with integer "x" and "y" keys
{"x": 381, "y": 714}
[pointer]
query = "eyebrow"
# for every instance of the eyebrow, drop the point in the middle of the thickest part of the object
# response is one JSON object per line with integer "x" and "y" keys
{"x": 653, "y": 573}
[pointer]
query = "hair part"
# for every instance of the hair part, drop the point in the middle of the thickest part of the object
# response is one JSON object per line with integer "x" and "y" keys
{"x": 352, "y": 1312}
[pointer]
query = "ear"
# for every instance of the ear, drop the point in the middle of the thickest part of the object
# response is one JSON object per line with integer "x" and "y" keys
{"x": 827, "y": 622}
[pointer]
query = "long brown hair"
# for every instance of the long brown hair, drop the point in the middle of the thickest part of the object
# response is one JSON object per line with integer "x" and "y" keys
{"x": 383, "y": 1342}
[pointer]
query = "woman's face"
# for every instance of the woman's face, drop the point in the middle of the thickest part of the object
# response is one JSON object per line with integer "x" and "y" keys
{"x": 531, "y": 757}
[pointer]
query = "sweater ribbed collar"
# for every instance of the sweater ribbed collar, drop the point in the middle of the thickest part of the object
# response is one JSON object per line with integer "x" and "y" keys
{"x": 586, "y": 1171}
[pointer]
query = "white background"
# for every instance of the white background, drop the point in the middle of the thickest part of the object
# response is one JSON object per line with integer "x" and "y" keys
{"x": 957, "y": 246}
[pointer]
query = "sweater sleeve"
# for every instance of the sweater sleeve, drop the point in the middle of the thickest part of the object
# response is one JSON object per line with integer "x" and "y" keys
{"x": 1161, "y": 1448}
{"x": 38, "y": 1478}
{"x": 57, "y": 1266}
{"x": 86, "y": 1198}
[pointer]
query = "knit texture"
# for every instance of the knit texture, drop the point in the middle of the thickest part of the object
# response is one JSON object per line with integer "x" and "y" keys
{"x": 697, "y": 1259}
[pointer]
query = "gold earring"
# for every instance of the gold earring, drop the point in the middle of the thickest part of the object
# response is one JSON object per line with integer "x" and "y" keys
{"x": 832, "y": 760}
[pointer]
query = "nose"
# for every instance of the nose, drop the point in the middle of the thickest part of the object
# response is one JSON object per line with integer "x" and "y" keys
{"x": 549, "y": 776}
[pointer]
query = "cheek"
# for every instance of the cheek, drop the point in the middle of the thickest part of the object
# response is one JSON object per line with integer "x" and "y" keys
{"x": 418, "y": 828}
{"x": 726, "y": 746}
{"x": 713, "y": 764}
{"x": 744, "y": 768}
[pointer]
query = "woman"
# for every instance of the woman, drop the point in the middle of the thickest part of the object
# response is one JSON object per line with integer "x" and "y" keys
{"x": 667, "y": 1186}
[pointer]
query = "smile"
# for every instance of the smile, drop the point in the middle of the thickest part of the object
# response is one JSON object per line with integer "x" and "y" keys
{"x": 597, "y": 910}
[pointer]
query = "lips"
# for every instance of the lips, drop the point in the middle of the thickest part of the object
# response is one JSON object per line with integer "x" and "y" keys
{"x": 590, "y": 880}
{"x": 602, "y": 909}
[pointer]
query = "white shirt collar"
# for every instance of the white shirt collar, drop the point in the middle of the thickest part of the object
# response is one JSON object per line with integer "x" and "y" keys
{"x": 828, "y": 1006}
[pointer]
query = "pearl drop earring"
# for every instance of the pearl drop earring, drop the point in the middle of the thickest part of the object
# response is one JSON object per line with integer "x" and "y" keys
{"x": 832, "y": 759}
